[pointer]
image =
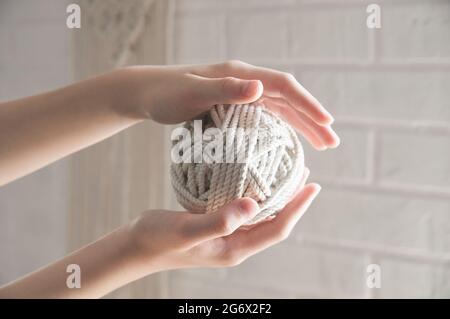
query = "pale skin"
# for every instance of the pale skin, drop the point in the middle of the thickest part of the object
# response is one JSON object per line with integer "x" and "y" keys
{"x": 39, "y": 130}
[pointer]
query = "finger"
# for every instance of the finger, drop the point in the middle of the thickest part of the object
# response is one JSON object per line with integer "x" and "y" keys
{"x": 292, "y": 117}
{"x": 226, "y": 90}
{"x": 202, "y": 227}
{"x": 295, "y": 209}
{"x": 302, "y": 183}
{"x": 306, "y": 173}
{"x": 246, "y": 243}
{"x": 276, "y": 83}
{"x": 325, "y": 133}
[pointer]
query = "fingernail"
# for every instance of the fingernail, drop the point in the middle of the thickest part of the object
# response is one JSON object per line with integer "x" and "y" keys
{"x": 335, "y": 144}
{"x": 250, "y": 88}
{"x": 335, "y": 141}
{"x": 330, "y": 118}
{"x": 318, "y": 189}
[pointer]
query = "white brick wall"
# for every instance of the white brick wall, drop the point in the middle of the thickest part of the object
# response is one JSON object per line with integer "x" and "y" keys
{"x": 421, "y": 32}
{"x": 327, "y": 34}
{"x": 258, "y": 36}
{"x": 210, "y": 30}
{"x": 386, "y": 190}
{"x": 417, "y": 150}
{"x": 381, "y": 92}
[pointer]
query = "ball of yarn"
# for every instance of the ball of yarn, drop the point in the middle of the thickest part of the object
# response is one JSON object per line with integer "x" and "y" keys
{"x": 262, "y": 159}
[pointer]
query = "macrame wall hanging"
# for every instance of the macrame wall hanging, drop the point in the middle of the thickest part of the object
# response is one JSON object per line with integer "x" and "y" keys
{"x": 266, "y": 161}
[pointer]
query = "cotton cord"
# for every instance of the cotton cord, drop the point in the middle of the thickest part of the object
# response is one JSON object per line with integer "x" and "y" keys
{"x": 262, "y": 159}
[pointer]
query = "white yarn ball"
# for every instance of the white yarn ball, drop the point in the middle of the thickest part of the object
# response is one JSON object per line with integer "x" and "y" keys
{"x": 270, "y": 168}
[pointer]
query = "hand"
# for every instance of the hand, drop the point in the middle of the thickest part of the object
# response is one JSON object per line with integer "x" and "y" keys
{"x": 161, "y": 240}
{"x": 169, "y": 240}
{"x": 60, "y": 122}
{"x": 173, "y": 94}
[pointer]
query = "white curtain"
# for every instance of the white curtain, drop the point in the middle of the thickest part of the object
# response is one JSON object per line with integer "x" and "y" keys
{"x": 113, "y": 181}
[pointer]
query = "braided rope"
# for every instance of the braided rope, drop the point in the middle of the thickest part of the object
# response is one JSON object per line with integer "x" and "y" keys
{"x": 267, "y": 162}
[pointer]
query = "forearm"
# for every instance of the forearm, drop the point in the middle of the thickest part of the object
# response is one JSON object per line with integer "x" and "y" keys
{"x": 38, "y": 130}
{"x": 105, "y": 265}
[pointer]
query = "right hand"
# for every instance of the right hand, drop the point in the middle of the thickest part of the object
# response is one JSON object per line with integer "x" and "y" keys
{"x": 167, "y": 240}
{"x": 173, "y": 94}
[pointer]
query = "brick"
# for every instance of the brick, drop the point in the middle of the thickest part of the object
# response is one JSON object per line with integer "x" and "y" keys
{"x": 414, "y": 95}
{"x": 304, "y": 270}
{"x": 416, "y": 159}
{"x": 335, "y": 164}
{"x": 416, "y": 31}
{"x": 371, "y": 218}
{"x": 405, "y": 279}
{"x": 208, "y": 32}
{"x": 440, "y": 236}
{"x": 256, "y": 36}
{"x": 330, "y": 34}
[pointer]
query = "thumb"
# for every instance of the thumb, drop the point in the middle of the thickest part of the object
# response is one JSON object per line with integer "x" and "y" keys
{"x": 225, "y": 221}
{"x": 229, "y": 90}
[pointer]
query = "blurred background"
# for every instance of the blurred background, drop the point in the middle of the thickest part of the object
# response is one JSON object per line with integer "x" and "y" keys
{"x": 386, "y": 189}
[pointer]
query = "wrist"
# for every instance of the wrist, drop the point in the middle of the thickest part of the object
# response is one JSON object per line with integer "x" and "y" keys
{"x": 145, "y": 258}
{"x": 127, "y": 263}
{"x": 131, "y": 93}
{"x": 120, "y": 90}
